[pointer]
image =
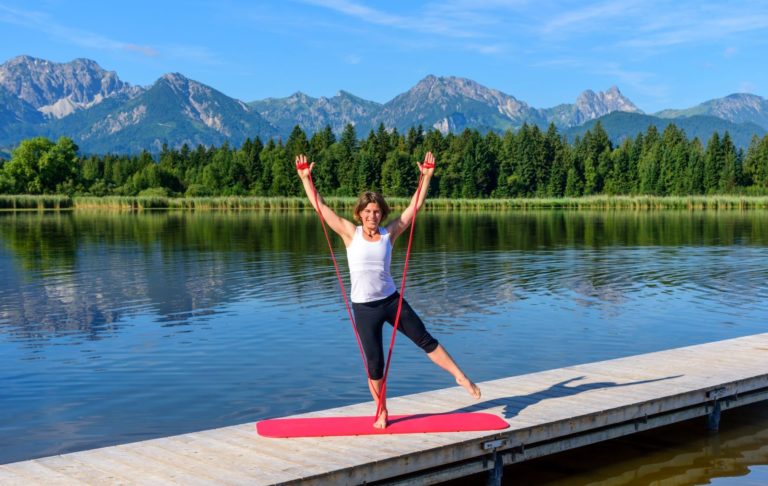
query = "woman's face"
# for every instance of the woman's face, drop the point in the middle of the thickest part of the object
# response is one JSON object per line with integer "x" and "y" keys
{"x": 371, "y": 215}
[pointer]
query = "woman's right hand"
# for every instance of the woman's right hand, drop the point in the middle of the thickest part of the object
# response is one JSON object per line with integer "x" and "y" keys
{"x": 303, "y": 167}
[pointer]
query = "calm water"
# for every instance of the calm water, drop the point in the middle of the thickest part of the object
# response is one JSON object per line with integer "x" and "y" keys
{"x": 121, "y": 327}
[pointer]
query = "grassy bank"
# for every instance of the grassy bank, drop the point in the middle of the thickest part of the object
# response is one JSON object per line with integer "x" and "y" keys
{"x": 129, "y": 203}
{"x": 39, "y": 203}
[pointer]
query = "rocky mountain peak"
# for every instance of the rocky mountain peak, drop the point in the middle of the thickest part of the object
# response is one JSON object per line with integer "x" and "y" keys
{"x": 605, "y": 102}
{"x": 451, "y": 103}
{"x": 736, "y": 108}
{"x": 300, "y": 98}
{"x": 175, "y": 80}
{"x": 450, "y": 86}
{"x": 740, "y": 107}
{"x": 342, "y": 94}
{"x": 591, "y": 105}
{"x": 442, "y": 90}
{"x": 60, "y": 89}
{"x": 35, "y": 92}
{"x": 740, "y": 101}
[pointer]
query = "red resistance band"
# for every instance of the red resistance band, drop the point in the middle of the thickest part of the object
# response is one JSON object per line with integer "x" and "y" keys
{"x": 383, "y": 393}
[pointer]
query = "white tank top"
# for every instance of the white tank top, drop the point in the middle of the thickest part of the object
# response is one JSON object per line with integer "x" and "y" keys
{"x": 369, "y": 267}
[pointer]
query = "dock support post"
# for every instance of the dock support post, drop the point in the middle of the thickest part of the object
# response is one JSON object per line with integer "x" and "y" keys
{"x": 495, "y": 474}
{"x": 497, "y": 471}
{"x": 713, "y": 420}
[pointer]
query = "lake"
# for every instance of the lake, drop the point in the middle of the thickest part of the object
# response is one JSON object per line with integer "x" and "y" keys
{"x": 118, "y": 327}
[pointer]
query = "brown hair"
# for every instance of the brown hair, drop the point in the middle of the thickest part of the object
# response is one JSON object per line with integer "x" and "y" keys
{"x": 370, "y": 197}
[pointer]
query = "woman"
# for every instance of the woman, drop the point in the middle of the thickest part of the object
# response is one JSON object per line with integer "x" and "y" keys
{"x": 374, "y": 295}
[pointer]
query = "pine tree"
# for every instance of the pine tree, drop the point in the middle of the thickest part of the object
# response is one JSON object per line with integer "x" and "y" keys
{"x": 695, "y": 170}
{"x": 731, "y": 173}
{"x": 394, "y": 173}
{"x": 674, "y": 160}
{"x": 368, "y": 176}
{"x": 325, "y": 170}
{"x": 592, "y": 179}
{"x": 506, "y": 165}
{"x": 296, "y": 144}
{"x": 346, "y": 152}
{"x": 250, "y": 153}
{"x": 714, "y": 161}
{"x": 451, "y": 168}
{"x": 756, "y": 163}
{"x": 284, "y": 181}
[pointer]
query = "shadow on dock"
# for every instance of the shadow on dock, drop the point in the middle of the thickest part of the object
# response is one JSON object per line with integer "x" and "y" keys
{"x": 513, "y": 405}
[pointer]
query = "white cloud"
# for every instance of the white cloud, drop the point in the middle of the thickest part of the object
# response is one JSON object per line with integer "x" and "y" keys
{"x": 352, "y": 59}
{"x": 429, "y": 22}
{"x": 646, "y": 26}
{"x": 473, "y": 26}
{"x": 199, "y": 54}
{"x": 747, "y": 87}
{"x": 693, "y": 27}
{"x": 638, "y": 81}
{"x": 42, "y": 22}
{"x": 590, "y": 17}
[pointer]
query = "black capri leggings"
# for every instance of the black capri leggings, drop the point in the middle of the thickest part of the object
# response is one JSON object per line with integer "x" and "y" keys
{"x": 369, "y": 321}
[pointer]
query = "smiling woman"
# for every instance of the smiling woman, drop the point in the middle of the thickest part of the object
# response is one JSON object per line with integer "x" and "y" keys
{"x": 375, "y": 299}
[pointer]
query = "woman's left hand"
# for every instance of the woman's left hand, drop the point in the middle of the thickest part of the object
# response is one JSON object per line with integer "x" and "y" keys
{"x": 428, "y": 167}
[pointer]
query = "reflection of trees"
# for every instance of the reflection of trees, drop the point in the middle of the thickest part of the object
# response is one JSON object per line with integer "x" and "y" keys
{"x": 84, "y": 271}
{"x": 479, "y": 259}
{"x": 41, "y": 242}
{"x": 682, "y": 454}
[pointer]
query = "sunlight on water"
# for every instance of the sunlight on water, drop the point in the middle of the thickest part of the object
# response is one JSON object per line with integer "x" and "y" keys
{"x": 121, "y": 327}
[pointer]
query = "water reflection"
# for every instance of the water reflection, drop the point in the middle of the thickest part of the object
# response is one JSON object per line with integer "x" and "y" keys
{"x": 682, "y": 455}
{"x": 117, "y": 327}
{"x": 80, "y": 272}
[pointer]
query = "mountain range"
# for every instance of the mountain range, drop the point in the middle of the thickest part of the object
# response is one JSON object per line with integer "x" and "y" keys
{"x": 104, "y": 114}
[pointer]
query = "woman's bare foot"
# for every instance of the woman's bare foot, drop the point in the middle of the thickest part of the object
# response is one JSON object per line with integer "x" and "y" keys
{"x": 381, "y": 422}
{"x": 473, "y": 389}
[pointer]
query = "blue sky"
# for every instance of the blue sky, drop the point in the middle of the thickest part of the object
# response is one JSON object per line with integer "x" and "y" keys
{"x": 661, "y": 54}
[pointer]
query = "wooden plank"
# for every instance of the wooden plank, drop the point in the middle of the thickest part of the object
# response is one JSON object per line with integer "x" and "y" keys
{"x": 139, "y": 468}
{"x": 12, "y": 477}
{"x": 548, "y": 411}
{"x": 37, "y": 473}
{"x": 85, "y": 472}
{"x": 204, "y": 465}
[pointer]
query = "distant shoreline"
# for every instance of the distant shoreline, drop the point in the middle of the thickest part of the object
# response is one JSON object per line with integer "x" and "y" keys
{"x": 139, "y": 203}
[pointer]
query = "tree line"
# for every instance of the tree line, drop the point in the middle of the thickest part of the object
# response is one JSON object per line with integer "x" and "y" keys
{"x": 529, "y": 162}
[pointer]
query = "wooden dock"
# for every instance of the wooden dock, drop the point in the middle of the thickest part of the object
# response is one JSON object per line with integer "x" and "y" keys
{"x": 548, "y": 412}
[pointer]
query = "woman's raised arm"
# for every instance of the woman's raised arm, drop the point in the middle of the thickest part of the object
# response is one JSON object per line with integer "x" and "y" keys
{"x": 397, "y": 226}
{"x": 339, "y": 225}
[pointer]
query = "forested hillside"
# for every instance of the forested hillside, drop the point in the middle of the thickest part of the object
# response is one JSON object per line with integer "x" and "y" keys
{"x": 524, "y": 163}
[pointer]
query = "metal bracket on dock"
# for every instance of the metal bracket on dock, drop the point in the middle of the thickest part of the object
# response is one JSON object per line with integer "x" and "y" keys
{"x": 494, "y": 444}
{"x": 717, "y": 393}
{"x": 495, "y": 473}
{"x": 640, "y": 421}
{"x": 496, "y": 457}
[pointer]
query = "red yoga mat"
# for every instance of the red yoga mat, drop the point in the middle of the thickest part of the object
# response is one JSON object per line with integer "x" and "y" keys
{"x": 398, "y": 424}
